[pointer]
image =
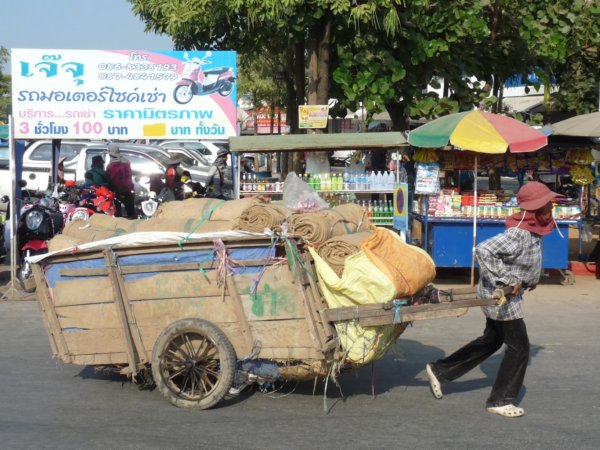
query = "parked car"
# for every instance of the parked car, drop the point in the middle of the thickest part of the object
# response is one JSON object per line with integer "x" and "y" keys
{"x": 145, "y": 160}
{"x": 208, "y": 149}
{"x": 341, "y": 158}
{"x": 37, "y": 161}
{"x": 188, "y": 156}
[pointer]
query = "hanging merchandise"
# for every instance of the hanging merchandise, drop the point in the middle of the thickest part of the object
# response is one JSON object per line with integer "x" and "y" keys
{"x": 425, "y": 155}
{"x": 582, "y": 175}
{"x": 581, "y": 172}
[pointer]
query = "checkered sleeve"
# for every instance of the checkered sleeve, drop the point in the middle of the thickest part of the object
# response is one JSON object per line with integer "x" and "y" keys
{"x": 494, "y": 257}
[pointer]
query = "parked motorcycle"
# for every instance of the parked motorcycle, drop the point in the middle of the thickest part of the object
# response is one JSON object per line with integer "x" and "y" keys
{"x": 99, "y": 199}
{"x": 195, "y": 81}
{"x": 40, "y": 220}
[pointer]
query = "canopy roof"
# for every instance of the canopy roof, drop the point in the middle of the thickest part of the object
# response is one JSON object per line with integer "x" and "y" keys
{"x": 585, "y": 125}
{"x": 302, "y": 142}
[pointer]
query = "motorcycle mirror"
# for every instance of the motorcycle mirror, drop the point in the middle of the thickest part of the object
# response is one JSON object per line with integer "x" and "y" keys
{"x": 23, "y": 183}
{"x": 4, "y": 199}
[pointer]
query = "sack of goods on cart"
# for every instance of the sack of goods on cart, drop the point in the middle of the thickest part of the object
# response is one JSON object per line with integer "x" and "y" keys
{"x": 208, "y": 296}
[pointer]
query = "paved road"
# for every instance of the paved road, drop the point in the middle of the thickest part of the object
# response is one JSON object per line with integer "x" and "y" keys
{"x": 47, "y": 404}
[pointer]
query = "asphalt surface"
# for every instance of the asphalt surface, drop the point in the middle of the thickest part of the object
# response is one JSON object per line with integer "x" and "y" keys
{"x": 47, "y": 404}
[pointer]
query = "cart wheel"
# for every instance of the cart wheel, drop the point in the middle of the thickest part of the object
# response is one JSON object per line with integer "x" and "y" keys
{"x": 193, "y": 364}
{"x": 567, "y": 278}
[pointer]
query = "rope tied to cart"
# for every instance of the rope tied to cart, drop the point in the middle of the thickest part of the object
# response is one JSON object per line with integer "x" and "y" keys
{"x": 398, "y": 304}
{"x": 256, "y": 280}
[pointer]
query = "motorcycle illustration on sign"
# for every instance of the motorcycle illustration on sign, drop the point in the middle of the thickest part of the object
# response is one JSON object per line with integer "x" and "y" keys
{"x": 196, "y": 81}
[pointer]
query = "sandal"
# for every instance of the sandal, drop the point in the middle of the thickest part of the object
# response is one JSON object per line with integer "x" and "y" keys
{"x": 434, "y": 384}
{"x": 509, "y": 410}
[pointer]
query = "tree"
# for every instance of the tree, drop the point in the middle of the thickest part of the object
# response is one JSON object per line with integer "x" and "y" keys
{"x": 5, "y": 96}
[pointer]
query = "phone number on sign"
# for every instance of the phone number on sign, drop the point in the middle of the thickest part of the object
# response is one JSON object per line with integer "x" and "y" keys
{"x": 138, "y": 76}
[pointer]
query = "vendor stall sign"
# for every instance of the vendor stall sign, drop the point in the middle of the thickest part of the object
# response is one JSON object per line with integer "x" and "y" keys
{"x": 313, "y": 116}
{"x": 401, "y": 207}
{"x": 427, "y": 179}
{"x": 123, "y": 94}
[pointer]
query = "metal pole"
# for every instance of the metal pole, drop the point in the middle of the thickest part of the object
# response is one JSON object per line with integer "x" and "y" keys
{"x": 12, "y": 292}
{"x": 475, "y": 210}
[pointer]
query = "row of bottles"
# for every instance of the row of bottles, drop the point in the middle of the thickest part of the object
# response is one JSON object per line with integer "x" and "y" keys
{"x": 380, "y": 212}
{"x": 351, "y": 181}
{"x": 250, "y": 183}
{"x": 348, "y": 181}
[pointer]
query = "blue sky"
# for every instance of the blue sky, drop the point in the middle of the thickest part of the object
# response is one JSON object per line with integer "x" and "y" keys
{"x": 75, "y": 24}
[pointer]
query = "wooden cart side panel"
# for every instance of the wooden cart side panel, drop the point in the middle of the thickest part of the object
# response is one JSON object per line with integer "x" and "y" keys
{"x": 275, "y": 297}
{"x": 83, "y": 291}
{"x": 86, "y": 342}
{"x": 190, "y": 284}
{"x": 285, "y": 338}
{"x": 100, "y": 359}
{"x": 57, "y": 343}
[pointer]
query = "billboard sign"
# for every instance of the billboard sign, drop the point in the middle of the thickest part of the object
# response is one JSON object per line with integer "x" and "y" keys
{"x": 123, "y": 94}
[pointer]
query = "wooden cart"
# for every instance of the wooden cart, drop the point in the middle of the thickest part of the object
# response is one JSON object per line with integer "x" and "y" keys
{"x": 205, "y": 316}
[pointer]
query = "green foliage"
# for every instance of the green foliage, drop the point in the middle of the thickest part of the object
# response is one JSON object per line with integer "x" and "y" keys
{"x": 5, "y": 98}
{"x": 384, "y": 53}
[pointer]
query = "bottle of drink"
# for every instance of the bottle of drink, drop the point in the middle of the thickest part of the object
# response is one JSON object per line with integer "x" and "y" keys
{"x": 253, "y": 184}
{"x": 346, "y": 180}
{"x": 317, "y": 182}
{"x": 370, "y": 211}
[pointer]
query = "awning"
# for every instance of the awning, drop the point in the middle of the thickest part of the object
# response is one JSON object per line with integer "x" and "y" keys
{"x": 317, "y": 142}
{"x": 524, "y": 103}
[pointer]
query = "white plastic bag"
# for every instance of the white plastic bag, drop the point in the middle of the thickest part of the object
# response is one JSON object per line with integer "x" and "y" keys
{"x": 299, "y": 196}
{"x": 586, "y": 232}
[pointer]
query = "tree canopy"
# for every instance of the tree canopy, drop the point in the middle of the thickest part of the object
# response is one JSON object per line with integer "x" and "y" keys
{"x": 385, "y": 53}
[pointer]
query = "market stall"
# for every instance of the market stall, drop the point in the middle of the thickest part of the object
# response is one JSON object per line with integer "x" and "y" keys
{"x": 452, "y": 209}
{"x": 372, "y": 189}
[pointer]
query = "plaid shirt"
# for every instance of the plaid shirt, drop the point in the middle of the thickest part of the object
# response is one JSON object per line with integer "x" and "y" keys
{"x": 506, "y": 259}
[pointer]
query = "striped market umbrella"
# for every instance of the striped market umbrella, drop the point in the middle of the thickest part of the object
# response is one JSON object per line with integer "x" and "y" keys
{"x": 481, "y": 132}
{"x": 478, "y": 131}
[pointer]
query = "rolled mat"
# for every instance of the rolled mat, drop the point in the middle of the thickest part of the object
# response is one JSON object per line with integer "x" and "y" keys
{"x": 258, "y": 217}
{"x": 334, "y": 251}
{"x": 195, "y": 208}
{"x": 316, "y": 227}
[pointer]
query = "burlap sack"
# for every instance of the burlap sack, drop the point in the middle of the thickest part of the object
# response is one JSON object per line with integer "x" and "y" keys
{"x": 61, "y": 241}
{"x": 108, "y": 222}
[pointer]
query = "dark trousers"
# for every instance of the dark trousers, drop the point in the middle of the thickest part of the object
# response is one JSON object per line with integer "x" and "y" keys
{"x": 511, "y": 373}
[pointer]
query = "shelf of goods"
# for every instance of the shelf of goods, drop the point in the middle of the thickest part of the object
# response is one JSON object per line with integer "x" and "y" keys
{"x": 380, "y": 211}
{"x": 374, "y": 193}
{"x": 447, "y": 227}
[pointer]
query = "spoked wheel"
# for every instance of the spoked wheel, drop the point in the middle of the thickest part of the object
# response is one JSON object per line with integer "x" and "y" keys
{"x": 183, "y": 94}
{"x": 193, "y": 364}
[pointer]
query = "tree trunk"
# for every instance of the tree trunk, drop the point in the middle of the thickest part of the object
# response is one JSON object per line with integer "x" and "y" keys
{"x": 399, "y": 120}
{"x": 319, "y": 44}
